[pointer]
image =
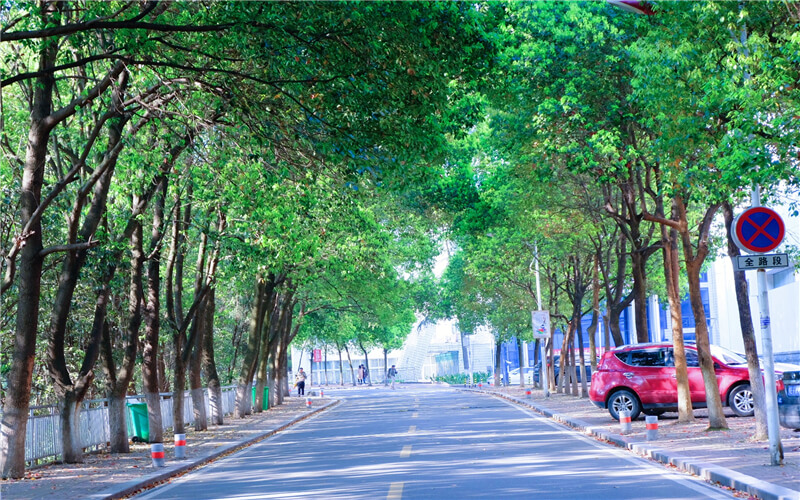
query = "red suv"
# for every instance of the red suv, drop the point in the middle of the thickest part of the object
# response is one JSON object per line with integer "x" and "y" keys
{"x": 641, "y": 378}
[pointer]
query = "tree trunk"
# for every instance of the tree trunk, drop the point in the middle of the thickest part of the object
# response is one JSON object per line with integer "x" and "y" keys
{"x": 350, "y": 362}
{"x": 748, "y": 334}
{"x": 694, "y": 262}
{"x": 595, "y": 314}
{"x": 325, "y": 362}
{"x": 639, "y": 295}
{"x": 573, "y": 375}
{"x": 69, "y": 420}
{"x": 15, "y": 411}
{"x": 368, "y": 374}
{"x": 581, "y": 365}
{"x": 262, "y": 372}
{"x": 520, "y": 355}
{"x": 153, "y": 319}
{"x": 284, "y": 322}
{"x": 209, "y": 362}
{"x": 284, "y": 372}
{"x": 272, "y": 340}
{"x": 117, "y": 424}
{"x": 464, "y": 351}
{"x": 672, "y": 279}
{"x": 498, "y": 355}
{"x": 178, "y": 389}
{"x": 385, "y": 366}
{"x": 74, "y": 261}
{"x": 195, "y": 376}
{"x": 614, "y": 314}
{"x": 311, "y": 367}
{"x": 73, "y": 394}
{"x": 164, "y": 351}
{"x": 28, "y": 244}
{"x": 117, "y": 384}
{"x": 563, "y": 362}
{"x": 341, "y": 365}
{"x": 243, "y": 396}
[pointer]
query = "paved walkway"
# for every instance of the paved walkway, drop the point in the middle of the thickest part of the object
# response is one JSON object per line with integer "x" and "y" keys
{"x": 726, "y": 457}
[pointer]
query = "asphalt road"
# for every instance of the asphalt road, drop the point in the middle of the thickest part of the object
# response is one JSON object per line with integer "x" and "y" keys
{"x": 423, "y": 442}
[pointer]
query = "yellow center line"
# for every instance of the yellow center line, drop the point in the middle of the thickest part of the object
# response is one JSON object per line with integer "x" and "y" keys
{"x": 395, "y": 491}
{"x": 412, "y": 429}
{"x": 406, "y": 452}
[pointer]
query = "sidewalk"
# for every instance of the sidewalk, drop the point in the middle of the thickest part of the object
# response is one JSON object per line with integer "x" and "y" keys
{"x": 106, "y": 476}
{"x": 729, "y": 458}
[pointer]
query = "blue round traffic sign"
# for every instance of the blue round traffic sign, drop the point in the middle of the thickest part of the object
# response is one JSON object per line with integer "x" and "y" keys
{"x": 758, "y": 230}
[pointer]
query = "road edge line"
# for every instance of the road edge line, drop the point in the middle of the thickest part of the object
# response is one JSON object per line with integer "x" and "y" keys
{"x": 709, "y": 472}
{"x": 135, "y": 486}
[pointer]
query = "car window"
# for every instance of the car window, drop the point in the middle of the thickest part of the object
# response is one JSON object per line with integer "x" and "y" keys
{"x": 692, "y": 361}
{"x": 728, "y": 357}
{"x": 648, "y": 357}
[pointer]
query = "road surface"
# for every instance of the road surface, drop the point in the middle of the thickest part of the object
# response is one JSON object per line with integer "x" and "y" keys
{"x": 427, "y": 442}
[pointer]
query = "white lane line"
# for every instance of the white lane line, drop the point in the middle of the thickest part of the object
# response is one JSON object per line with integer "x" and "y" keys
{"x": 406, "y": 451}
{"x": 414, "y": 415}
{"x": 691, "y": 482}
{"x": 395, "y": 491}
{"x": 412, "y": 429}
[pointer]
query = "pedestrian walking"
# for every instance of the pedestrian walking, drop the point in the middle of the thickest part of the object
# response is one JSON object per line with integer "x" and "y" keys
{"x": 300, "y": 382}
{"x": 360, "y": 374}
{"x": 391, "y": 375}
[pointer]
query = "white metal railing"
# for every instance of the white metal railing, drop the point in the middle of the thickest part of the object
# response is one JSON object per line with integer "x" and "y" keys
{"x": 43, "y": 432}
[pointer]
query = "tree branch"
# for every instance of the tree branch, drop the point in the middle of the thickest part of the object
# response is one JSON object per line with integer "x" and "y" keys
{"x": 68, "y": 248}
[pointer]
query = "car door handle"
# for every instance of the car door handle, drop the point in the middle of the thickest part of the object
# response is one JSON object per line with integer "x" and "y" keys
{"x": 628, "y": 374}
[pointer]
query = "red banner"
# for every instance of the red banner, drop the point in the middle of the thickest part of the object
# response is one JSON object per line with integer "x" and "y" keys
{"x": 317, "y": 355}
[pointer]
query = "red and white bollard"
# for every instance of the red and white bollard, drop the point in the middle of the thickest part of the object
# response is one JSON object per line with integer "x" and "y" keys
{"x": 625, "y": 426}
{"x": 180, "y": 445}
{"x": 651, "y": 424}
{"x": 321, "y": 393}
{"x": 528, "y": 394}
{"x": 308, "y": 402}
{"x": 157, "y": 454}
{"x": 480, "y": 385}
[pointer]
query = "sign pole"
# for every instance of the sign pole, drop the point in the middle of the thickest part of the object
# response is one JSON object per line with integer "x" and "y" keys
{"x": 775, "y": 449}
{"x": 543, "y": 372}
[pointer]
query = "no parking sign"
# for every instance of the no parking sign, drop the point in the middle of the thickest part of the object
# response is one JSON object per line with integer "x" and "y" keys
{"x": 758, "y": 230}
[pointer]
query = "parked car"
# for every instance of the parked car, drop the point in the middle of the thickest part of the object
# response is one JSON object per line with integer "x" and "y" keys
{"x": 529, "y": 371}
{"x": 587, "y": 369}
{"x": 641, "y": 378}
{"x": 789, "y": 400}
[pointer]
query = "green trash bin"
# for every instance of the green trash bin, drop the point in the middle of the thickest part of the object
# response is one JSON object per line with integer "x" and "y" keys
{"x": 139, "y": 421}
{"x": 265, "y": 401}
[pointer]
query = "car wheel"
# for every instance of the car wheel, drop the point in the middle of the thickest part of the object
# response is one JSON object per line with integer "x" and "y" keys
{"x": 654, "y": 412}
{"x": 624, "y": 400}
{"x": 741, "y": 400}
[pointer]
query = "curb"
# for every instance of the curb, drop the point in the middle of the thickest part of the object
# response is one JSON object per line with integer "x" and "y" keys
{"x": 177, "y": 469}
{"x": 709, "y": 472}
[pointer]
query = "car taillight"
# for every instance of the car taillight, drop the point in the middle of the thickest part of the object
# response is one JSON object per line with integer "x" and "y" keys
{"x": 780, "y": 386}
